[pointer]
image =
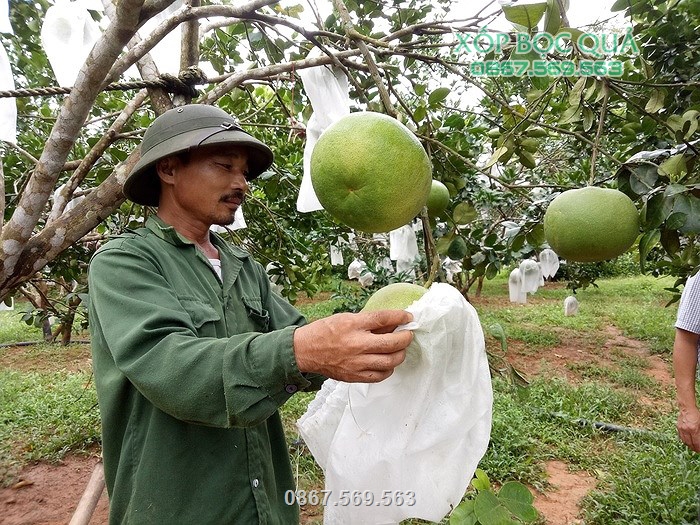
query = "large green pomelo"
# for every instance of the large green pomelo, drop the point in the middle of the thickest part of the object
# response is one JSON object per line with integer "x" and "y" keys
{"x": 396, "y": 296}
{"x": 438, "y": 199}
{"x": 591, "y": 224}
{"x": 370, "y": 172}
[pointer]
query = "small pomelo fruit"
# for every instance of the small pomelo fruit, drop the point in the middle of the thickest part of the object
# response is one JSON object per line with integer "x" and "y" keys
{"x": 370, "y": 172}
{"x": 591, "y": 224}
{"x": 396, "y": 296}
{"x": 438, "y": 199}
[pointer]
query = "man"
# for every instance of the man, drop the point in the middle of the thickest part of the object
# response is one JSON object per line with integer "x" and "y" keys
{"x": 685, "y": 359}
{"x": 193, "y": 354}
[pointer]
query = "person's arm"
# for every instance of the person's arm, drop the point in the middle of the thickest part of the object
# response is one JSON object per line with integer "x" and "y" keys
{"x": 685, "y": 357}
{"x": 233, "y": 381}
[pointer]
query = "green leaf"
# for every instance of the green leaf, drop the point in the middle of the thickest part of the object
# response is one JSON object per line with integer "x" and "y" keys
{"x": 464, "y": 213}
{"x": 690, "y": 205}
{"x": 588, "y": 118}
{"x": 438, "y": 96}
{"x": 674, "y": 167}
{"x": 643, "y": 179}
{"x": 496, "y": 330}
{"x": 490, "y": 511}
{"x": 646, "y": 243}
{"x": 500, "y": 152}
{"x": 420, "y": 113}
{"x": 621, "y": 5}
{"x": 525, "y": 15}
{"x": 671, "y": 240}
{"x": 576, "y": 93}
{"x": 463, "y": 514}
{"x": 676, "y": 221}
{"x": 518, "y": 499}
{"x": 572, "y": 114}
{"x": 656, "y": 101}
{"x": 481, "y": 480}
{"x": 552, "y": 20}
{"x": 458, "y": 249}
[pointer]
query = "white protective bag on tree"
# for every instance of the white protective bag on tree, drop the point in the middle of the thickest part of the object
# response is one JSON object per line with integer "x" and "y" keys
{"x": 407, "y": 446}
{"x": 530, "y": 276}
{"x": 8, "y": 106}
{"x": 570, "y": 306}
{"x": 5, "y": 24}
{"x": 549, "y": 262}
{"x": 329, "y": 93}
{"x": 68, "y": 34}
{"x": 166, "y": 53}
{"x": 515, "y": 287}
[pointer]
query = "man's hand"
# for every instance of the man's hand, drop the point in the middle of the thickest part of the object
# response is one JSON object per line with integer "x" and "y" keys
{"x": 689, "y": 428}
{"x": 356, "y": 348}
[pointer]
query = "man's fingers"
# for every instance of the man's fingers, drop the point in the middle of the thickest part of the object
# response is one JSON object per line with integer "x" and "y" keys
{"x": 383, "y": 321}
{"x": 389, "y": 343}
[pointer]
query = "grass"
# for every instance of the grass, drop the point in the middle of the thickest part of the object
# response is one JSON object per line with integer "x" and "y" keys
{"x": 644, "y": 476}
{"x": 44, "y": 415}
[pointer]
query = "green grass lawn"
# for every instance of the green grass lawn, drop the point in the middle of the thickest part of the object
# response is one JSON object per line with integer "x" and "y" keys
{"x": 645, "y": 476}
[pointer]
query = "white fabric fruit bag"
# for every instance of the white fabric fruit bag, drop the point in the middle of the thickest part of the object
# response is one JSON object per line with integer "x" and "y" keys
{"x": 407, "y": 447}
{"x": 328, "y": 90}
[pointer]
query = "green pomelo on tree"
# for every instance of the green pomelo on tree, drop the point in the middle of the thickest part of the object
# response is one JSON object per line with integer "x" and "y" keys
{"x": 438, "y": 199}
{"x": 395, "y": 296}
{"x": 370, "y": 172}
{"x": 591, "y": 224}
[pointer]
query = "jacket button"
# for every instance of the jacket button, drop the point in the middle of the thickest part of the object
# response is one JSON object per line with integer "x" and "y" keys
{"x": 256, "y": 483}
{"x": 291, "y": 388}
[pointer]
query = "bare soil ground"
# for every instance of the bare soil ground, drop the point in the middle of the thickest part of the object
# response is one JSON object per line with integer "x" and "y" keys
{"x": 47, "y": 494}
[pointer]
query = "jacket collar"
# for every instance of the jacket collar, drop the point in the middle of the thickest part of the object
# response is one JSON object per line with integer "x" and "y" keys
{"x": 170, "y": 235}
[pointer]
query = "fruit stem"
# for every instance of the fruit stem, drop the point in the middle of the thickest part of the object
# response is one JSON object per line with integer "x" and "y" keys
{"x": 431, "y": 257}
{"x": 352, "y": 34}
{"x": 596, "y": 143}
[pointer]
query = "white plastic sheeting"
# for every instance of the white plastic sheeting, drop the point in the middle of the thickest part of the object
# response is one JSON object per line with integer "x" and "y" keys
{"x": 422, "y": 431}
{"x": 328, "y": 91}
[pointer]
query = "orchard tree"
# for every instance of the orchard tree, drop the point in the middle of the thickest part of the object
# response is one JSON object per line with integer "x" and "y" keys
{"x": 502, "y": 159}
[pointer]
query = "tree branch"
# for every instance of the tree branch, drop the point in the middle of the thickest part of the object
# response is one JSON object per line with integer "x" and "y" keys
{"x": 369, "y": 59}
{"x": 73, "y": 114}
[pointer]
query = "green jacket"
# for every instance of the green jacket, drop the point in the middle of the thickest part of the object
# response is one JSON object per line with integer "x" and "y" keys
{"x": 190, "y": 373}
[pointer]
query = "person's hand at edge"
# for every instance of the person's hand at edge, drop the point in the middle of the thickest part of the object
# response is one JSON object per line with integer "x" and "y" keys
{"x": 360, "y": 347}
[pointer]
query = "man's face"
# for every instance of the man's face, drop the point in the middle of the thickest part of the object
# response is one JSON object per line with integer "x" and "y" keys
{"x": 208, "y": 187}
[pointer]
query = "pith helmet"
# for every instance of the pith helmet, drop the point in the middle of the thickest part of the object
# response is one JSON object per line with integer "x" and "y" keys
{"x": 181, "y": 129}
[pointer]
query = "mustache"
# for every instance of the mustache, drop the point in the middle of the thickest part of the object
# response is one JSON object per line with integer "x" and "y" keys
{"x": 236, "y": 194}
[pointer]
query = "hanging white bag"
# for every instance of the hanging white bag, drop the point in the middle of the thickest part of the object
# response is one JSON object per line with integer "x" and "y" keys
{"x": 515, "y": 288}
{"x": 407, "y": 447}
{"x": 549, "y": 262}
{"x": 166, "y": 53}
{"x": 530, "y": 275}
{"x": 8, "y": 106}
{"x": 68, "y": 34}
{"x": 328, "y": 90}
{"x": 355, "y": 268}
{"x": 5, "y": 24}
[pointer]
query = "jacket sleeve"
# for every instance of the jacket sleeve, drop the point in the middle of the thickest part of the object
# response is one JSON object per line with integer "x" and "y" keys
{"x": 146, "y": 338}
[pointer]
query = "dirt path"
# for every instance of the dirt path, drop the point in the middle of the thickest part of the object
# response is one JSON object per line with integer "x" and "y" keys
{"x": 48, "y": 494}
